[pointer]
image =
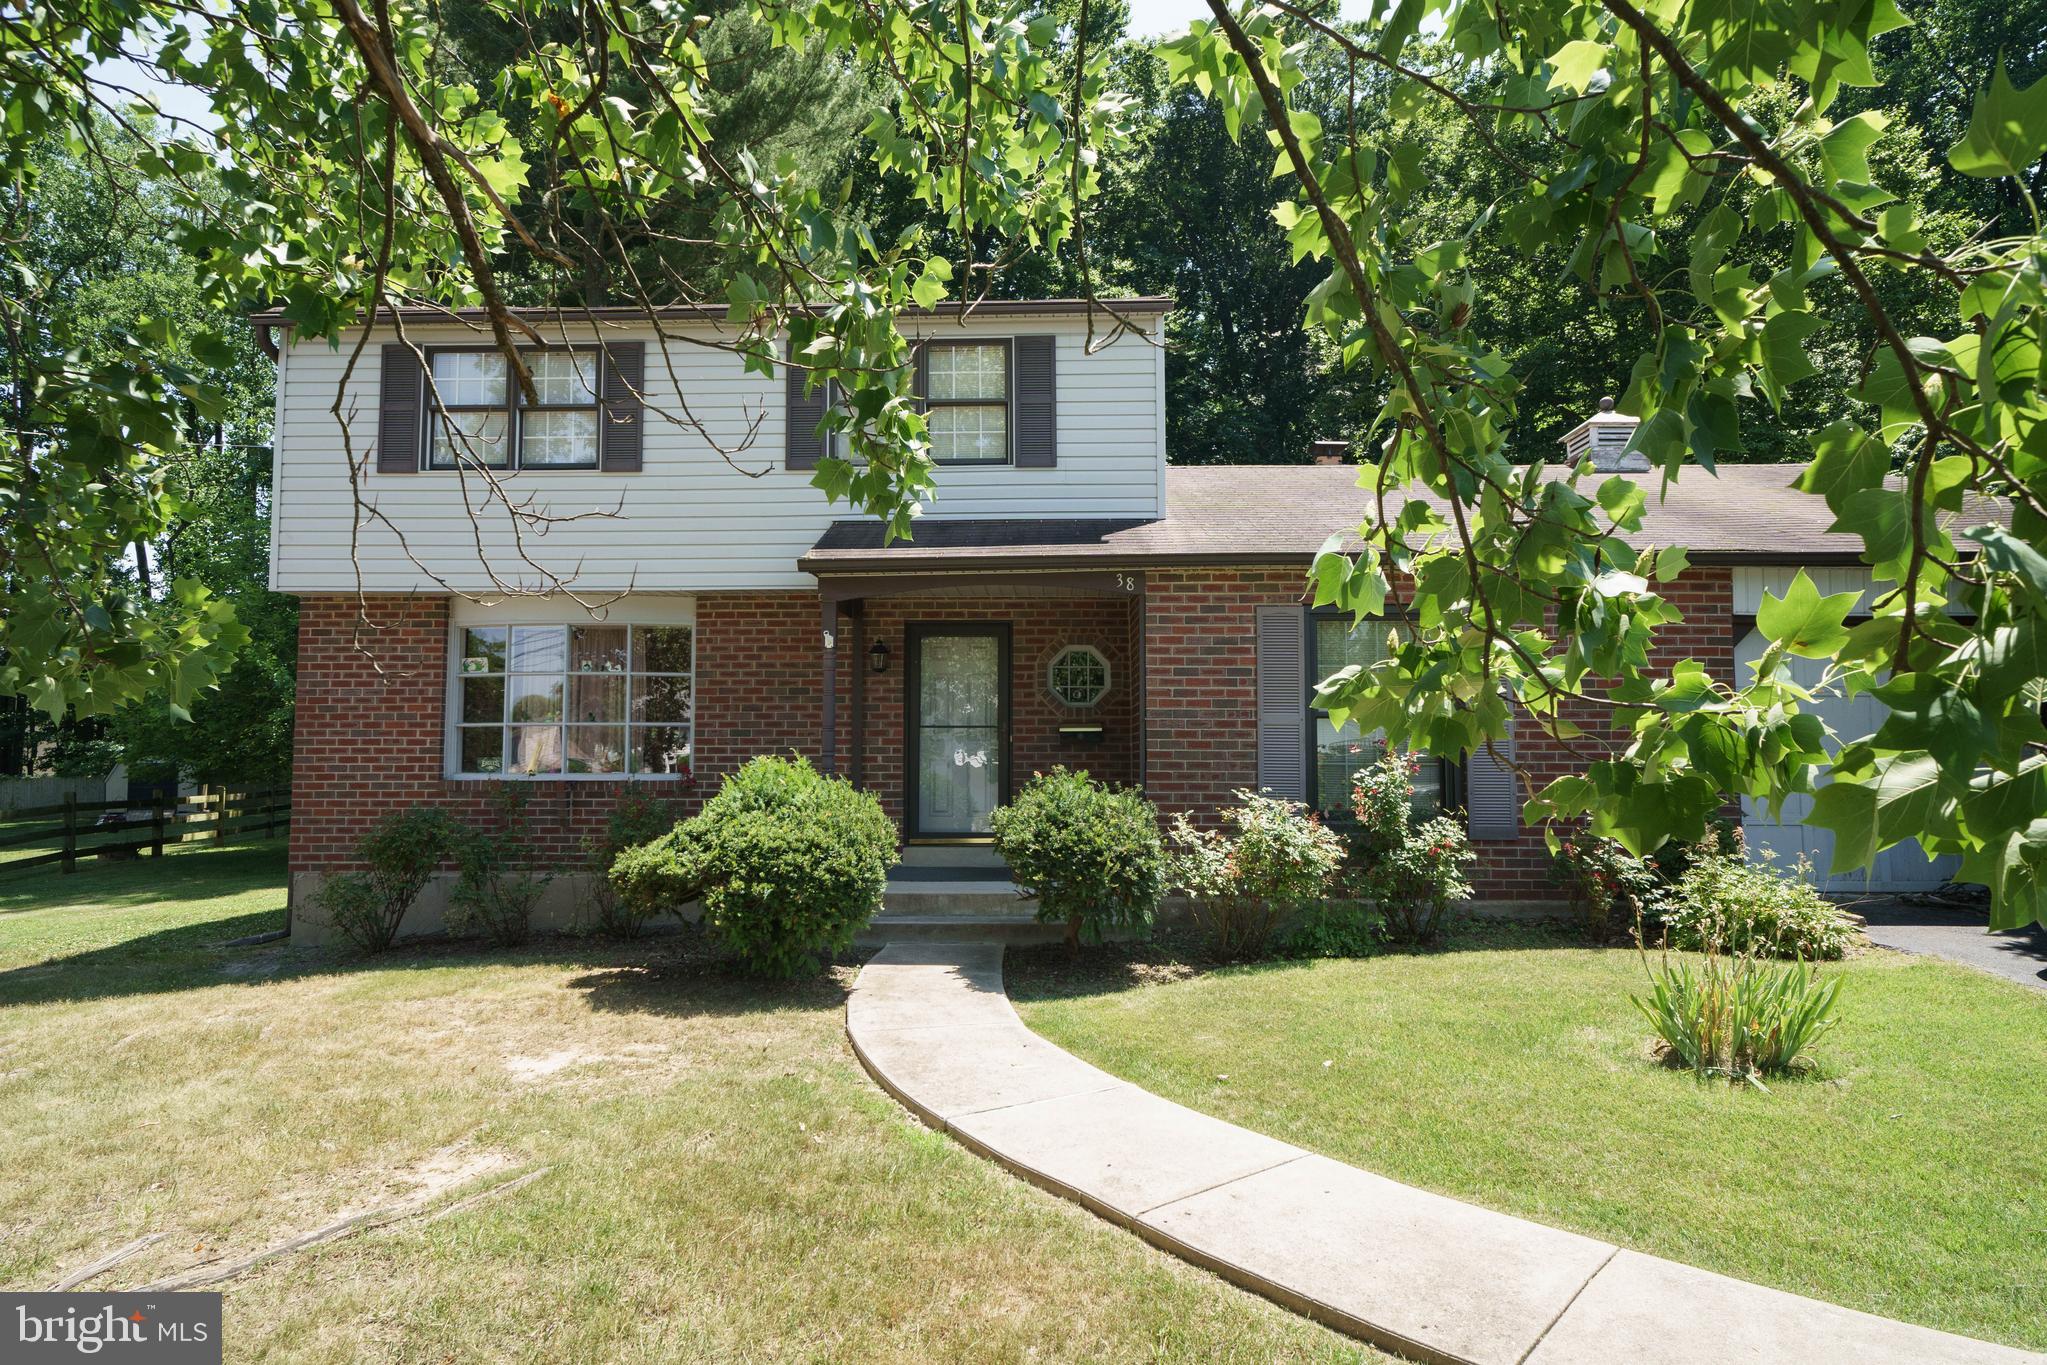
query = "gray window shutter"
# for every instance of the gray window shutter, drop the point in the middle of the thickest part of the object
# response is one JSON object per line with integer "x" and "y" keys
{"x": 804, "y": 410}
{"x": 1492, "y": 803}
{"x": 623, "y": 436}
{"x": 1037, "y": 403}
{"x": 1283, "y": 702}
{"x": 398, "y": 410}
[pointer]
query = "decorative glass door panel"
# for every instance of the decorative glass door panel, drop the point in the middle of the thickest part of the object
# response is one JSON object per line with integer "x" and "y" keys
{"x": 957, "y": 726}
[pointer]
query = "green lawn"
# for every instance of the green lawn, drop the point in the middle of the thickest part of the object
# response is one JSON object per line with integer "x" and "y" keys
{"x": 1904, "y": 1178}
{"x": 725, "y": 1181}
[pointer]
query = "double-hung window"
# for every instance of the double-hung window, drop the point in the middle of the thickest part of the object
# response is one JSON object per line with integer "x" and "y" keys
{"x": 476, "y": 414}
{"x": 966, "y": 401}
{"x": 1336, "y": 756}
{"x": 573, "y": 700}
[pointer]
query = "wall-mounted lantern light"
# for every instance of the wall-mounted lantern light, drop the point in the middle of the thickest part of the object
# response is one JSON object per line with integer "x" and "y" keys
{"x": 877, "y": 656}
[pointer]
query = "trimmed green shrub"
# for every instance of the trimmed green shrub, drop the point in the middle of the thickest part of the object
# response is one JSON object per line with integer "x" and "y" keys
{"x": 1090, "y": 853}
{"x": 1728, "y": 903}
{"x": 788, "y": 863}
{"x": 493, "y": 894}
{"x": 400, "y": 855}
{"x": 1273, "y": 859}
{"x": 635, "y": 819}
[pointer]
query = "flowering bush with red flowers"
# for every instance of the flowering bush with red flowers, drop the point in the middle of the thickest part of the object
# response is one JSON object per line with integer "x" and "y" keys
{"x": 1411, "y": 872}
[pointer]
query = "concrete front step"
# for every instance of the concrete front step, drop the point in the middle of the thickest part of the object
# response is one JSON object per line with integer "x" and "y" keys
{"x": 951, "y": 855}
{"x": 1011, "y": 928}
{"x": 956, "y": 898}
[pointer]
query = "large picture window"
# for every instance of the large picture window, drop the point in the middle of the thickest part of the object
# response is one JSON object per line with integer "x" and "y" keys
{"x": 576, "y": 701}
{"x": 966, "y": 401}
{"x": 1336, "y": 756}
{"x": 477, "y": 413}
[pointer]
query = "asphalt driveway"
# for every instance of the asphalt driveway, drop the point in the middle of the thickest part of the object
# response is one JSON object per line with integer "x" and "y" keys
{"x": 1959, "y": 935}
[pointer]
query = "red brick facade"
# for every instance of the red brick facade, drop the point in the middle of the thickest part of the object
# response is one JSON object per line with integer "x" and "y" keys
{"x": 372, "y": 696}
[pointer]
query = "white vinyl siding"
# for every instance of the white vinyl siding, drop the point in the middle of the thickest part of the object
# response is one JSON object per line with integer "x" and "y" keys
{"x": 692, "y": 519}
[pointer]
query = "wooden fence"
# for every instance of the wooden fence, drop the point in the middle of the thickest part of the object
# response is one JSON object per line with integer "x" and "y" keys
{"x": 114, "y": 829}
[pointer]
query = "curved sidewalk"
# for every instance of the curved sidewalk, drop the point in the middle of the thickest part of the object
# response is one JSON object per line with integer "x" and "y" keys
{"x": 1416, "y": 1273}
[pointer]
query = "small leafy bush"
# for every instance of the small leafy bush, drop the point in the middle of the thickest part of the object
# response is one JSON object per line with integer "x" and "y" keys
{"x": 493, "y": 893}
{"x": 1607, "y": 882}
{"x": 1246, "y": 880}
{"x": 1335, "y": 928}
{"x": 1411, "y": 872}
{"x": 1738, "y": 1016}
{"x": 789, "y": 864}
{"x": 1090, "y": 853}
{"x": 1725, "y": 902}
{"x": 400, "y": 855}
{"x": 635, "y": 819}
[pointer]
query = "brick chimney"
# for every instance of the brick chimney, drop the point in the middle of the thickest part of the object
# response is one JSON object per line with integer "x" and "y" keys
{"x": 1603, "y": 437}
{"x": 1331, "y": 452}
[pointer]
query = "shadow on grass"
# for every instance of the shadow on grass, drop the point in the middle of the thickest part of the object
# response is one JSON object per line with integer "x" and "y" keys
{"x": 1179, "y": 953}
{"x": 673, "y": 973}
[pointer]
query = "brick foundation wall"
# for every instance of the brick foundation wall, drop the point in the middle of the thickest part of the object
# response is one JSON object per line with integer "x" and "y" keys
{"x": 372, "y": 700}
{"x": 1201, "y": 678}
{"x": 371, "y": 703}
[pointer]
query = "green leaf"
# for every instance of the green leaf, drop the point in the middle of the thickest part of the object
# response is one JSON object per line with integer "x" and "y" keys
{"x": 1573, "y": 65}
{"x": 1784, "y": 358}
{"x": 1804, "y": 622}
{"x": 2007, "y": 129}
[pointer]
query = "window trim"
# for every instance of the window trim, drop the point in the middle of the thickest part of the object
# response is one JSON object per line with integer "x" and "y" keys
{"x": 1108, "y": 676}
{"x": 514, "y": 408}
{"x": 1450, "y": 784}
{"x": 452, "y": 724}
{"x": 925, "y": 403}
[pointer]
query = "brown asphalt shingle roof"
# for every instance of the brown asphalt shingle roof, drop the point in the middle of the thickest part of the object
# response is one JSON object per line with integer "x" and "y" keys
{"x": 1283, "y": 513}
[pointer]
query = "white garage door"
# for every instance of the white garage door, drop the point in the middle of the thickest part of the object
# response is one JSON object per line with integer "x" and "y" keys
{"x": 1904, "y": 867}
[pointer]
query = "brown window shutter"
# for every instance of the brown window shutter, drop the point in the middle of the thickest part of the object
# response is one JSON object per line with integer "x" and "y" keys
{"x": 1492, "y": 807}
{"x": 399, "y": 428}
{"x": 1037, "y": 402}
{"x": 623, "y": 436}
{"x": 805, "y": 404}
{"x": 1283, "y": 702}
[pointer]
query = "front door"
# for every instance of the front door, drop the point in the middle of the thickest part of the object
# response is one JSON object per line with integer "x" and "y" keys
{"x": 959, "y": 727}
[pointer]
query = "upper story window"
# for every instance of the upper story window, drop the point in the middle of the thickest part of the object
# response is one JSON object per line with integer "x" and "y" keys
{"x": 572, "y": 700}
{"x": 1336, "y": 756}
{"x": 966, "y": 401}
{"x": 478, "y": 413}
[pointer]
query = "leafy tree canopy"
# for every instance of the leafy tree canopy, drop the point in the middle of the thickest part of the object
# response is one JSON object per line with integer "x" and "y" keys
{"x": 1694, "y": 167}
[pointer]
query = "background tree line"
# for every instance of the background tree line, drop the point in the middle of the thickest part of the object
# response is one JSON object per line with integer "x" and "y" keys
{"x": 1185, "y": 211}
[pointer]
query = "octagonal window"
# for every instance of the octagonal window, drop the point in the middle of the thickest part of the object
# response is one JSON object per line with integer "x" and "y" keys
{"x": 1078, "y": 675}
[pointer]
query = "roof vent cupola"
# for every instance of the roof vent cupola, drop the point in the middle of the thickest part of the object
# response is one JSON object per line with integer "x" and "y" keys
{"x": 1603, "y": 438}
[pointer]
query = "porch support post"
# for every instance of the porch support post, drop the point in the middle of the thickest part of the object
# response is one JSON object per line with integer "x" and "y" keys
{"x": 828, "y": 760}
{"x": 858, "y": 611}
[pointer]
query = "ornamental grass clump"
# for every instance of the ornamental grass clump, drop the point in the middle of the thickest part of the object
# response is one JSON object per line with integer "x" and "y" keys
{"x": 1089, "y": 852}
{"x": 1739, "y": 1016}
{"x": 1412, "y": 872}
{"x": 1272, "y": 860}
{"x": 789, "y": 865}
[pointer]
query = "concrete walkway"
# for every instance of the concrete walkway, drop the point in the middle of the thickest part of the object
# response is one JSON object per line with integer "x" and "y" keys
{"x": 1416, "y": 1273}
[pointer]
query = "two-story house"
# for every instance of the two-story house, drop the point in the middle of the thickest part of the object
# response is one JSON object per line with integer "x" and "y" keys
{"x": 1070, "y": 598}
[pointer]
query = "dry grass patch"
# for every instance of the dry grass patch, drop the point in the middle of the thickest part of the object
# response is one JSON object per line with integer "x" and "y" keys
{"x": 723, "y": 1182}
